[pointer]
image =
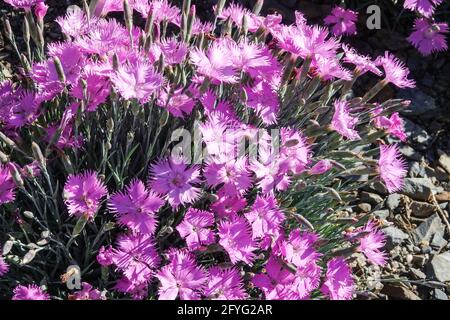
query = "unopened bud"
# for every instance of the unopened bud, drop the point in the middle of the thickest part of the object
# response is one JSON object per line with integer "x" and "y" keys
{"x": 7, "y": 140}
{"x": 26, "y": 31}
{"x": 37, "y": 154}
{"x": 220, "y": 7}
{"x": 28, "y": 214}
{"x": 59, "y": 69}
{"x": 128, "y": 15}
{"x": 258, "y": 6}
{"x": 15, "y": 174}
{"x": 3, "y": 158}
{"x": 164, "y": 118}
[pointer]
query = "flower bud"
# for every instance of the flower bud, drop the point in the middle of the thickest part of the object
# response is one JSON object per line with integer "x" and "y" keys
{"x": 15, "y": 174}
{"x": 37, "y": 154}
{"x": 321, "y": 167}
{"x": 258, "y": 6}
{"x": 220, "y": 7}
{"x": 59, "y": 69}
{"x": 40, "y": 10}
{"x": 3, "y": 158}
{"x": 128, "y": 15}
{"x": 7, "y": 140}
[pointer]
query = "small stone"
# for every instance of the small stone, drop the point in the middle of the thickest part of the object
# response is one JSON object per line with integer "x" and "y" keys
{"x": 417, "y": 134}
{"x": 371, "y": 198}
{"x": 428, "y": 229}
{"x": 394, "y": 236}
{"x": 381, "y": 214}
{"x": 364, "y": 207}
{"x": 443, "y": 197}
{"x": 409, "y": 152}
{"x": 417, "y": 274}
{"x": 444, "y": 161}
{"x": 441, "y": 174}
{"x": 421, "y": 209}
{"x": 419, "y": 260}
{"x": 393, "y": 201}
{"x": 439, "y": 267}
{"x": 399, "y": 291}
{"x": 438, "y": 294}
{"x": 417, "y": 170}
{"x": 418, "y": 188}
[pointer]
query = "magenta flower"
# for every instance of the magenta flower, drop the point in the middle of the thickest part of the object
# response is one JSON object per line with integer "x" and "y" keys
{"x": 228, "y": 205}
{"x": 181, "y": 277}
{"x": 265, "y": 218}
{"x": 105, "y": 256}
{"x": 176, "y": 102}
{"x": 97, "y": 89}
{"x": 395, "y": 71}
{"x": 429, "y": 37}
{"x": 393, "y": 125}
{"x": 321, "y": 167}
{"x": 330, "y": 69}
{"x": 216, "y": 63}
{"x": 232, "y": 175}
{"x": 136, "y": 208}
{"x": 263, "y": 98}
{"x": 24, "y": 111}
{"x": 236, "y": 238}
{"x": 137, "y": 290}
{"x": 23, "y": 4}
{"x": 104, "y": 37}
{"x": 391, "y": 167}
{"x": 136, "y": 257}
{"x": 371, "y": 243}
{"x": 75, "y": 23}
{"x": 338, "y": 284}
{"x": 224, "y": 284}
{"x": 82, "y": 194}
{"x": 276, "y": 281}
{"x": 424, "y": 7}
{"x": 343, "y": 122}
{"x": 72, "y": 61}
{"x": 250, "y": 58}
{"x": 175, "y": 181}
{"x": 4, "y": 267}
{"x": 7, "y": 185}
{"x": 137, "y": 80}
{"x": 362, "y": 63}
{"x": 196, "y": 228}
{"x": 174, "y": 51}
{"x": 299, "y": 249}
{"x": 30, "y": 292}
{"x": 295, "y": 153}
{"x": 343, "y": 21}
{"x": 163, "y": 10}
{"x": 88, "y": 292}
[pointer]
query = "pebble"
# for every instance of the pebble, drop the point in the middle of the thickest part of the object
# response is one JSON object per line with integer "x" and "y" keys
{"x": 421, "y": 209}
{"x": 439, "y": 267}
{"x": 393, "y": 201}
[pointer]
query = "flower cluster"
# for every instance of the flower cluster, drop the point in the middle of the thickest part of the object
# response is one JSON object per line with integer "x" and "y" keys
{"x": 245, "y": 206}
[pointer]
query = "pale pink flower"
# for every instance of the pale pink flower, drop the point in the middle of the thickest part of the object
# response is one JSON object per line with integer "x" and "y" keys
{"x": 176, "y": 102}
{"x": 391, "y": 167}
{"x": 395, "y": 71}
{"x": 137, "y": 80}
{"x": 75, "y": 23}
{"x": 321, "y": 167}
{"x": 224, "y": 284}
{"x": 424, "y": 7}
{"x": 236, "y": 238}
{"x": 338, "y": 284}
{"x": 362, "y": 63}
{"x": 343, "y": 122}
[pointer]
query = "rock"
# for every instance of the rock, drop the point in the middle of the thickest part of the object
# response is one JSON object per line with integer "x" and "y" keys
{"x": 441, "y": 174}
{"x": 421, "y": 209}
{"x": 394, "y": 236}
{"x": 438, "y": 294}
{"x": 421, "y": 103}
{"x": 364, "y": 207}
{"x": 382, "y": 214}
{"x": 417, "y": 274}
{"x": 393, "y": 201}
{"x": 443, "y": 197}
{"x": 417, "y": 170}
{"x": 418, "y": 188}
{"x": 439, "y": 267}
{"x": 428, "y": 229}
{"x": 371, "y": 198}
{"x": 377, "y": 187}
{"x": 399, "y": 291}
{"x": 438, "y": 241}
{"x": 417, "y": 134}
{"x": 409, "y": 152}
{"x": 444, "y": 162}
